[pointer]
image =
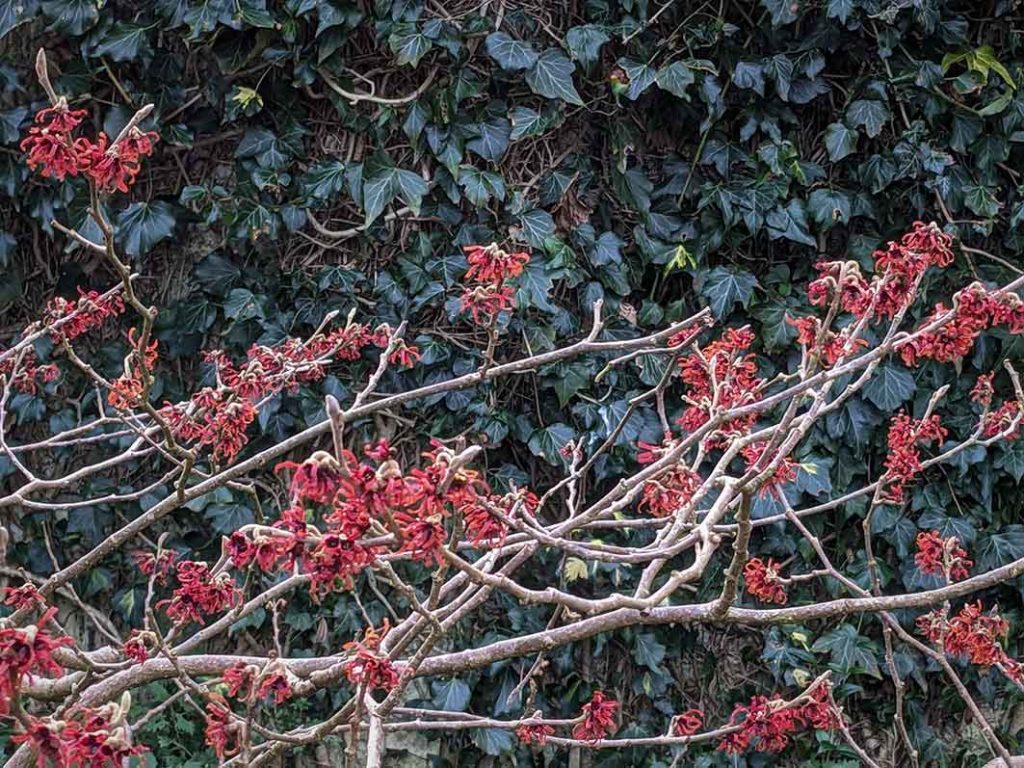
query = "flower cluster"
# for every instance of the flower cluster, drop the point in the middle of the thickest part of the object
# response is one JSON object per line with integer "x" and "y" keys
{"x": 24, "y": 597}
{"x": 536, "y": 734}
{"x": 200, "y": 593}
{"x": 83, "y": 738}
{"x": 899, "y": 268}
{"x": 759, "y": 458}
{"x": 975, "y": 309}
{"x": 688, "y": 723}
{"x": 220, "y": 416}
{"x": 223, "y": 734}
{"x": 128, "y": 389}
{"x": 719, "y": 378}
{"x": 833, "y": 345}
{"x": 769, "y": 724}
{"x": 487, "y": 292}
{"x": 598, "y": 718}
{"x": 937, "y": 556}
{"x": 55, "y": 152}
{"x": 903, "y": 461}
{"x": 247, "y": 682}
{"x": 368, "y": 667}
{"x": 24, "y": 652}
{"x": 973, "y": 635}
{"x": 764, "y": 581}
{"x": 669, "y": 491}
{"x": 350, "y": 496}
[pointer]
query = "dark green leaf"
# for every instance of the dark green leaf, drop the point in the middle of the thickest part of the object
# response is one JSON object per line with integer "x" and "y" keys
{"x": 511, "y": 54}
{"x": 551, "y": 77}
{"x": 143, "y": 225}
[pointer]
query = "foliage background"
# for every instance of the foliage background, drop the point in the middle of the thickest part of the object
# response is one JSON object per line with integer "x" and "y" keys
{"x": 658, "y": 156}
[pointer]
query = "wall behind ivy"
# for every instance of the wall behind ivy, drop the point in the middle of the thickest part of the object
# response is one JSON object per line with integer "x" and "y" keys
{"x": 658, "y": 156}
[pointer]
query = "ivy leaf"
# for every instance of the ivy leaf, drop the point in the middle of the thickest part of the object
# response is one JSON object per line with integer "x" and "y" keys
{"x": 537, "y": 226}
{"x": 123, "y": 42}
{"x": 890, "y": 387}
{"x": 324, "y": 180}
{"x": 829, "y": 207}
{"x": 776, "y": 332}
{"x": 782, "y": 11}
{"x": 849, "y": 652}
{"x": 981, "y": 201}
{"x": 511, "y": 54}
{"x": 839, "y": 9}
{"x": 493, "y": 741}
{"x": 995, "y": 549}
{"x": 480, "y": 186}
{"x": 216, "y": 274}
{"x": 725, "y": 287}
{"x": 584, "y": 43}
{"x": 1011, "y": 459}
{"x": 641, "y": 77}
{"x": 648, "y": 652}
{"x": 789, "y": 222}
{"x": 72, "y": 17}
{"x": 492, "y": 139}
{"x": 451, "y": 695}
{"x": 547, "y": 442}
{"x": 408, "y": 44}
{"x": 749, "y": 75}
{"x": 377, "y": 193}
{"x": 525, "y": 122}
{"x": 676, "y": 78}
{"x": 15, "y": 12}
{"x": 551, "y": 77}
{"x": 840, "y": 141}
{"x": 143, "y": 225}
{"x": 870, "y": 113}
{"x": 411, "y": 187}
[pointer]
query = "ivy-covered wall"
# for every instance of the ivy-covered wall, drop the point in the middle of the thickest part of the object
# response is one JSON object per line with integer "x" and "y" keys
{"x": 335, "y": 156}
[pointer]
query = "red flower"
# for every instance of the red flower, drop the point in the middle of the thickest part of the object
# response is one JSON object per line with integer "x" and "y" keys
{"x": 90, "y": 311}
{"x": 490, "y": 264}
{"x": 982, "y": 391}
{"x": 404, "y": 355}
{"x": 135, "y": 647}
{"x": 903, "y": 461}
{"x": 975, "y": 635}
{"x": 1001, "y": 419}
{"x": 598, "y": 719}
{"x": 368, "y": 667}
{"x": 222, "y": 733}
{"x": 688, "y": 723}
{"x": 159, "y": 565}
{"x": 764, "y": 582}
{"x": 759, "y": 460}
{"x": 768, "y": 725}
{"x": 84, "y": 738}
{"x": 938, "y": 556}
{"x": 201, "y": 593}
{"x": 27, "y": 651}
{"x": 113, "y": 167}
{"x": 277, "y": 686}
{"x": 487, "y": 301}
{"x": 50, "y": 145}
{"x": 316, "y": 479}
{"x": 24, "y": 597}
{"x": 535, "y": 734}
{"x": 669, "y": 492}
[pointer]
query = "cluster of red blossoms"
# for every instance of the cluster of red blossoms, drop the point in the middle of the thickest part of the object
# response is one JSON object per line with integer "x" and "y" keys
{"x": 903, "y": 461}
{"x": 598, "y": 718}
{"x": 54, "y": 150}
{"x": 670, "y": 491}
{"x": 535, "y": 734}
{"x": 200, "y": 593}
{"x": 1004, "y": 419}
{"x": 220, "y": 416}
{"x": 973, "y": 635}
{"x": 368, "y": 668}
{"x": 25, "y": 652}
{"x": 768, "y": 724}
{"x": 249, "y": 683}
{"x": 764, "y": 580}
{"x": 128, "y": 388}
{"x": 223, "y": 734}
{"x": 66, "y": 320}
{"x": 937, "y": 556}
{"x": 351, "y": 495}
{"x": 719, "y": 378}
{"x": 899, "y": 268}
{"x": 688, "y": 723}
{"x": 83, "y": 738}
{"x": 488, "y": 291}
{"x": 759, "y": 458}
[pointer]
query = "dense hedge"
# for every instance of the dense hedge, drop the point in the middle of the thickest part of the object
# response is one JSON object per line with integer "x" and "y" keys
{"x": 321, "y": 156}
